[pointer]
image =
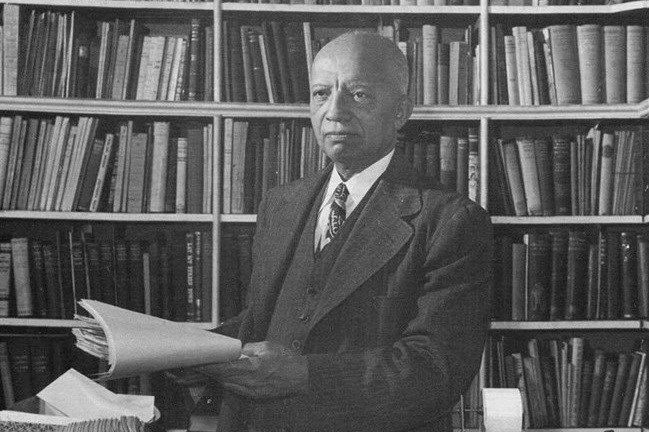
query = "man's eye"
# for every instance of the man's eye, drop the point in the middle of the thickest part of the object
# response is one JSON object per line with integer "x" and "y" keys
{"x": 360, "y": 96}
{"x": 319, "y": 94}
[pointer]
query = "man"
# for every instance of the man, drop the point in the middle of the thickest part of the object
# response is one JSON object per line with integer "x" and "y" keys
{"x": 369, "y": 292}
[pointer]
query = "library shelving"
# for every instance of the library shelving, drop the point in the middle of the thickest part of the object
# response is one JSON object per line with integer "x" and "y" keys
{"x": 469, "y": 27}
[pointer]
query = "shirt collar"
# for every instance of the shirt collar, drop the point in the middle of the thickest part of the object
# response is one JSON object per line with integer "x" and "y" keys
{"x": 358, "y": 184}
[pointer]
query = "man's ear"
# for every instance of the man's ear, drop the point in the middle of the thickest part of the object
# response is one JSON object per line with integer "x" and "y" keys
{"x": 404, "y": 110}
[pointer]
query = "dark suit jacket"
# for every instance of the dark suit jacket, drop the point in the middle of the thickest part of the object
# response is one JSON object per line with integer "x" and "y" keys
{"x": 400, "y": 331}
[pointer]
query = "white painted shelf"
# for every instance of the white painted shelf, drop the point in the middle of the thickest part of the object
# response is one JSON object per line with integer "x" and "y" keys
{"x": 603, "y": 325}
{"x": 568, "y": 220}
{"x": 66, "y": 323}
{"x": 109, "y": 217}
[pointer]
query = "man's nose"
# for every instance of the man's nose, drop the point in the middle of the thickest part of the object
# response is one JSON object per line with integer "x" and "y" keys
{"x": 338, "y": 109}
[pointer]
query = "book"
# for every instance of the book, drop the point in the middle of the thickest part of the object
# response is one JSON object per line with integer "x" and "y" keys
{"x": 565, "y": 57}
{"x": 511, "y": 163}
{"x": 576, "y": 274}
{"x": 448, "y": 161}
{"x": 538, "y": 276}
{"x": 10, "y": 49}
{"x": 136, "y": 343}
{"x": 530, "y": 175}
{"x": 194, "y": 177}
{"x": 618, "y": 389}
{"x": 158, "y": 183}
{"x": 21, "y": 276}
{"x": 430, "y": 40}
{"x": 5, "y": 277}
{"x": 643, "y": 275}
{"x": 615, "y": 63}
{"x": 597, "y": 382}
{"x": 589, "y": 43}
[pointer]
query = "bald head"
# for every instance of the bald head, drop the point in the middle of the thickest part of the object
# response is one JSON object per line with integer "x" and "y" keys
{"x": 359, "y": 99}
{"x": 374, "y": 53}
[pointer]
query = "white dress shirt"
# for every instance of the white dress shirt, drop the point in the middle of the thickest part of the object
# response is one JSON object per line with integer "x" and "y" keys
{"x": 358, "y": 186}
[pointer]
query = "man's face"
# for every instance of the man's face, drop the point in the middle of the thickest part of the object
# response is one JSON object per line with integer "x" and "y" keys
{"x": 355, "y": 106}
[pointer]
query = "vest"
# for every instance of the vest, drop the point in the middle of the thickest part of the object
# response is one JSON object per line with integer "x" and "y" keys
{"x": 298, "y": 299}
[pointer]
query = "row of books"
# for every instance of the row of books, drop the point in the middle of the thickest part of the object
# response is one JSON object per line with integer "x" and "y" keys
{"x": 84, "y": 164}
{"x": 566, "y": 383}
{"x": 562, "y": 274}
{"x": 266, "y": 63}
{"x": 235, "y": 270}
{"x": 29, "y": 364}
{"x": 166, "y": 275}
{"x": 67, "y": 54}
{"x": 259, "y": 155}
{"x": 443, "y": 62}
{"x": 569, "y": 64}
{"x": 596, "y": 173}
{"x": 450, "y": 157}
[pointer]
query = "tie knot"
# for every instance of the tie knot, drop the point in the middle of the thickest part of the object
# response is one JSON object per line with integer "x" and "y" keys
{"x": 341, "y": 192}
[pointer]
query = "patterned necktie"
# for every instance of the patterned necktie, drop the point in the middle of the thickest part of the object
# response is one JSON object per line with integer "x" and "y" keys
{"x": 337, "y": 213}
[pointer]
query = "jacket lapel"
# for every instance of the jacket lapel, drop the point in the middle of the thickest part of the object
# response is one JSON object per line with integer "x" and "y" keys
{"x": 378, "y": 234}
{"x": 287, "y": 215}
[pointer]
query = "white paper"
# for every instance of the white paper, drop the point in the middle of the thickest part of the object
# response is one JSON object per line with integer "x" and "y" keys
{"x": 79, "y": 397}
{"x": 23, "y": 417}
{"x": 503, "y": 409}
{"x": 139, "y": 343}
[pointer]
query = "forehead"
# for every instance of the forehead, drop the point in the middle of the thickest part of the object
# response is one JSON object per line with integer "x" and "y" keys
{"x": 351, "y": 64}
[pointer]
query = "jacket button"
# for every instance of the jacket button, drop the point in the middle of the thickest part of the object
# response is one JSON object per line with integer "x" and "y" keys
{"x": 297, "y": 345}
{"x": 311, "y": 291}
{"x": 305, "y": 317}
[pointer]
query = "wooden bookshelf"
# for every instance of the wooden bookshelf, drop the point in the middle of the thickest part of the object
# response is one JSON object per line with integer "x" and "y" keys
{"x": 213, "y": 112}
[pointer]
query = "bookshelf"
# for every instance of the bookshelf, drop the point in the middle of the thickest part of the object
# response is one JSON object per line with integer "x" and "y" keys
{"x": 486, "y": 118}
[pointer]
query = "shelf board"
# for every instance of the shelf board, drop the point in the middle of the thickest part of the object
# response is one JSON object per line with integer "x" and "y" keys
{"x": 240, "y": 218}
{"x": 256, "y": 110}
{"x": 538, "y": 112}
{"x": 117, "y": 4}
{"x": 90, "y": 107}
{"x": 567, "y": 220}
{"x": 570, "y": 325}
{"x": 109, "y": 217}
{"x": 569, "y": 10}
{"x": 67, "y": 323}
{"x": 350, "y": 9}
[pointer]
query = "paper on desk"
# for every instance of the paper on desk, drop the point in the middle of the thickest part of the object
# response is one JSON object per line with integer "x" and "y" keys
{"x": 502, "y": 409}
{"x": 77, "y": 396}
{"x": 135, "y": 343}
{"x": 23, "y": 417}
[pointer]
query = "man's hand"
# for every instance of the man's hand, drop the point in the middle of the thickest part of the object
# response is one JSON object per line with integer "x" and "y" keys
{"x": 270, "y": 370}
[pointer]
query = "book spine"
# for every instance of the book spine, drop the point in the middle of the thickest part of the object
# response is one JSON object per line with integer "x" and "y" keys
{"x": 430, "y": 39}
{"x": 538, "y": 277}
{"x": 565, "y": 57}
{"x": 10, "y": 49}
{"x": 5, "y": 277}
{"x": 643, "y": 275}
{"x": 21, "y": 277}
{"x": 577, "y": 259}
{"x": 527, "y": 160}
{"x": 629, "y": 274}
{"x": 448, "y": 161}
{"x": 589, "y": 43}
{"x": 615, "y": 62}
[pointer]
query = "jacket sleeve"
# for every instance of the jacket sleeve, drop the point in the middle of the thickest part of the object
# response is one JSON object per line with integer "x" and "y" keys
{"x": 420, "y": 376}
